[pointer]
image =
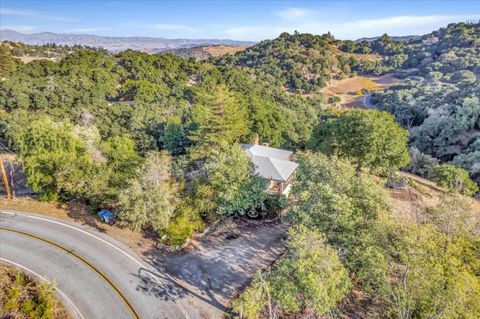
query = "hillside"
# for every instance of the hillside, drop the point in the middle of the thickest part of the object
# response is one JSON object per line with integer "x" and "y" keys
{"x": 300, "y": 63}
{"x": 156, "y": 139}
{"x": 204, "y": 52}
{"x": 28, "y": 53}
{"x": 438, "y": 100}
{"x": 113, "y": 44}
{"x": 404, "y": 38}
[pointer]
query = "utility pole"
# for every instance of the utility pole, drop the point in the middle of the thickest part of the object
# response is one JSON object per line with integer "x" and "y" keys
{"x": 5, "y": 180}
{"x": 12, "y": 180}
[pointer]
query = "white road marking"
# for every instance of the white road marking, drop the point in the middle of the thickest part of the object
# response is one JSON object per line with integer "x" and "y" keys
{"x": 78, "y": 314}
{"x": 77, "y": 229}
{"x": 146, "y": 266}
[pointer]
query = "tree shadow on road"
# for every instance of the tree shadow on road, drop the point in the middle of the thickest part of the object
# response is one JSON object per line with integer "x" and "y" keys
{"x": 81, "y": 214}
{"x": 217, "y": 269}
{"x": 166, "y": 288}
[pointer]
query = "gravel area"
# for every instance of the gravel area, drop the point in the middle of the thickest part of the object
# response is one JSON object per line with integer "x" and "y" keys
{"x": 219, "y": 266}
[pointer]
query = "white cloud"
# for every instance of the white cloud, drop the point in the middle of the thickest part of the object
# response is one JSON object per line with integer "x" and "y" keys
{"x": 294, "y": 13}
{"x": 401, "y": 21}
{"x": 14, "y": 12}
{"x": 395, "y": 26}
{"x": 32, "y": 14}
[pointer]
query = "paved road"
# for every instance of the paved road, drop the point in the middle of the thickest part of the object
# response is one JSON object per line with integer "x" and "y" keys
{"x": 96, "y": 276}
{"x": 367, "y": 103}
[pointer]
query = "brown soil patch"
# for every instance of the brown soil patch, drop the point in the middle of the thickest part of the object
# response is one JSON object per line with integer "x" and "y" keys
{"x": 385, "y": 80}
{"x": 411, "y": 203}
{"x": 350, "y": 90}
{"x": 28, "y": 59}
{"x": 350, "y": 86}
{"x": 359, "y": 305}
{"x": 219, "y": 50}
{"x": 353, "y": 102}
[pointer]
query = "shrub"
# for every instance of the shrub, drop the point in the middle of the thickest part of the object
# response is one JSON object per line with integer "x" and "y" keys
{"x": 276, "y": 203}
{"x": 309, "y": 278}
{"x": 420, "y": 163}
{"x": 150, "y": 199}
{"x": 21, "y": 297}
{"x": 182, "y": 226}
{"x": 453, "y": 179}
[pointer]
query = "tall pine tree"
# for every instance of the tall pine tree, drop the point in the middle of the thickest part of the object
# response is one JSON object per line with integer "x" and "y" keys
{"x": 217, "y": 120}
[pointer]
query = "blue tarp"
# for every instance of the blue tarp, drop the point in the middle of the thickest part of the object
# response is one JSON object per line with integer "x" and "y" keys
{"x": 106, "y": 216}
{"x": 105, "y": 213}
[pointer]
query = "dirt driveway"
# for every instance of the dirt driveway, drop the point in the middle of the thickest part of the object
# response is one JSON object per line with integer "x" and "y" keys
{"x": 219, "y": 266}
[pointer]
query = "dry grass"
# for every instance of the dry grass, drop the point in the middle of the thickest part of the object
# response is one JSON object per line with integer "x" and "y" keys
{"x": 350, "y": 86}
{"x": 8, "y": 157}
{"x": 219, "y": 50}
{"x": 28, "y": 59}
{"x": 350, "y": 90}
{"x": 410, "y": 204}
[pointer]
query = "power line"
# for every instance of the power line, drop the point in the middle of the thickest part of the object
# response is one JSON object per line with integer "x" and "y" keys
{"x": 4, "y": 149}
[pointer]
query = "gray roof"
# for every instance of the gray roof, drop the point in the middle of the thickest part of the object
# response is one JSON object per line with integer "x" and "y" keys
{"x": 260, "y": 150}
{"x": 271, "y": 163}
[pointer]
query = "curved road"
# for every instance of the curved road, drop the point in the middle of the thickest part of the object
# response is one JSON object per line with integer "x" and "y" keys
{"x": 95, "y": 276}
{"x": 366, "y": 101}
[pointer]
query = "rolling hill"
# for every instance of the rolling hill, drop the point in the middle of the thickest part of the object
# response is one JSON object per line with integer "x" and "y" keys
{"x": 205, "y": 51}
{"x": 114, "y": 44}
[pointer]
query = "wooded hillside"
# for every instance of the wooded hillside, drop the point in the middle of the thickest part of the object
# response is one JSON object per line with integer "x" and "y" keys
{"x": 156, "y": 138}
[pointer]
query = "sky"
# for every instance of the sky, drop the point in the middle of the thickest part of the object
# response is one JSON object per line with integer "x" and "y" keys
{"x": 238, "y": 20}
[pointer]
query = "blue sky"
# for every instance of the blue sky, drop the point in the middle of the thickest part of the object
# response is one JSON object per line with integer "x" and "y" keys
{"x": 239, "y": 20}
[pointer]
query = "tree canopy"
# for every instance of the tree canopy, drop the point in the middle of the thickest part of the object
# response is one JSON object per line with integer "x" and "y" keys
{"x": 370, "y": 139}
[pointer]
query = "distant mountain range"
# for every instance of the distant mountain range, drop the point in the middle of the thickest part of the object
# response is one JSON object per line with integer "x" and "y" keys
{"x": 114, "y": 44}
{"x": 405, "y": 38}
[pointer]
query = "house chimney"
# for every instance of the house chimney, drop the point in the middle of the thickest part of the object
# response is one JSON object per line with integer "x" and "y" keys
{"x": 256, "y": 140}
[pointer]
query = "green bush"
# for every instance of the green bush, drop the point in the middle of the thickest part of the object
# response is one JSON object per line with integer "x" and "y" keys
{"x": 22, "y": 298}
{"x": 453, "y": 179}
{"x": 310, "y": 278}
{"x": 276, "y": 203}
{"x": 182, "y": 226}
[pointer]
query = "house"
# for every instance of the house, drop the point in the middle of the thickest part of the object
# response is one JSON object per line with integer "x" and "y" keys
{"x": 274, "y": 165}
